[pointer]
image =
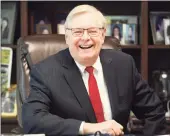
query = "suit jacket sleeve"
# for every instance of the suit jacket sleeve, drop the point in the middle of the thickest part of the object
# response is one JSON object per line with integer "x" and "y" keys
{"x": 147, "y": 105}
{"x": 36, "y": 114}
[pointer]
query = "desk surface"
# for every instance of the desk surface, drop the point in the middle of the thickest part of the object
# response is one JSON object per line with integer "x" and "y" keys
{"x": 87, "y": 135}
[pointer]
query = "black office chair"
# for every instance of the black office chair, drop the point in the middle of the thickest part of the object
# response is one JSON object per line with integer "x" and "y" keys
{"x": 35, "y": 48}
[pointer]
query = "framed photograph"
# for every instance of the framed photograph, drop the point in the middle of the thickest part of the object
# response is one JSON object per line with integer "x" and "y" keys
{"x": 8, "y": 21}
{"x": 38, "y": 18}
{"x": 157, "y": 26}
{"x": 6, "y": 67}
{"x": 117, "y": 32}
{"x": 60, "y": 21}
{"x": 119, "y": 20}
{"x": 167, "y": 31}
{"x": 61, "y": 27}
{"x": 43, "y": 29}
{"x": 130, "y": 34}
{"x": 8, "y": 103}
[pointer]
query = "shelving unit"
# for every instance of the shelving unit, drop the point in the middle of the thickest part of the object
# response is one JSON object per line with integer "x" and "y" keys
{"x": 158, "y": 47}
{"x": 130, "y": 47}
{"x": 147, "y": 56}
{"x": 137, "y": 8}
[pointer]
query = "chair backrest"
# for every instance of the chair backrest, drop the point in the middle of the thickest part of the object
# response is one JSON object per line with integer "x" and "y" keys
{"x": 35, "y": 48}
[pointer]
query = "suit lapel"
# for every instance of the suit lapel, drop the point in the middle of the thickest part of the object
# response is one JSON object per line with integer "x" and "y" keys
{"x": 74, "y": 79}
{"x": 109, "y": 72}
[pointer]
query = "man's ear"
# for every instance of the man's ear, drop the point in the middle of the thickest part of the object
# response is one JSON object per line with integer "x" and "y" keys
{"x": 103, "y": 35}
{"x": 66, "y": 38}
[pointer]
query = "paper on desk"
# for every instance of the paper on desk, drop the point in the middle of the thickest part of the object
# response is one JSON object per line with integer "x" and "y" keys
{"x": 34, "y": 134}
{"x": 23, "y": 135}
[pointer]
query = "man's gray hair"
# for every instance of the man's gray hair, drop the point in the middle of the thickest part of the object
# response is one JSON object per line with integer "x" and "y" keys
{"x": 86, "y": 9}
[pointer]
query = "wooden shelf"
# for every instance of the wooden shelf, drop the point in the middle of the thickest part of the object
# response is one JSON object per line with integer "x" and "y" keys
{"x": 9, "y": 120}
{"x": 9, "y": 125}
{"x": 159, "y": 47}
{"x": 130, "y": 46}
{"x": 9, "y": 45}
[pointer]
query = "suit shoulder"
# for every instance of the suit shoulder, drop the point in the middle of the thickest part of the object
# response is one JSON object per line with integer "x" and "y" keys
{"x": 120, "y": 60}
{"x": 117, "y": 54}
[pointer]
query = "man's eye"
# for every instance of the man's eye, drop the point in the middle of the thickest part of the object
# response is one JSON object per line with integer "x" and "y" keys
{"x": 77, "y": 32}
{"x": 92, "y": 31}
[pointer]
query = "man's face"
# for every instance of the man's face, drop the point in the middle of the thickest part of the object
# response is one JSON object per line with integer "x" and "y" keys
{"x": 85, "y": 48}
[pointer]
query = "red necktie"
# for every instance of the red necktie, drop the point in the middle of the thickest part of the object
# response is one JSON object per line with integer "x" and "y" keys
{"x": 94, "y": 95}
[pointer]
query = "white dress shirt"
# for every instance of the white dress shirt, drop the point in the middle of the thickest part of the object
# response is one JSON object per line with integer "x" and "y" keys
{"x": 98, "y": 73}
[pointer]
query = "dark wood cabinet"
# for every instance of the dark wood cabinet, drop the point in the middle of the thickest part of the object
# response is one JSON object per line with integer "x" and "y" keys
{"x": 141, "y": 52}
{"x": 8, "y": 125}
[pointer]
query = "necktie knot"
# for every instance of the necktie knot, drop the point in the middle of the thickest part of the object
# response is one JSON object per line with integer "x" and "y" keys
{"x": 89, "y": 69}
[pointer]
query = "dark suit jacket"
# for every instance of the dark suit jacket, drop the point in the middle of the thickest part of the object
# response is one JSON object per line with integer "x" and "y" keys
{"x": 59, "y": 101}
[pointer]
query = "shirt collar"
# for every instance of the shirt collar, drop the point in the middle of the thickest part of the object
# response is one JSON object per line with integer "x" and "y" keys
{"x": 97, "y": 66}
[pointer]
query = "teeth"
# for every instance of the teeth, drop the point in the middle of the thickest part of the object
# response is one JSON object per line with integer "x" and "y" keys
{"x": 85, "y": 47}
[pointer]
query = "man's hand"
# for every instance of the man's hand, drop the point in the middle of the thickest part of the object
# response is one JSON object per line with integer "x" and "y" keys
{"x": 110, "y": 127}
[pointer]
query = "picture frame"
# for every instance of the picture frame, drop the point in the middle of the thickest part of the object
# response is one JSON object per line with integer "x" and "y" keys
{"x": 8, "y": 103}
{"x": 117, "y": 32}
{"x": 157, "y": 26}
{"x": 60, "y": 21}
{"x": 130, "y": 34}
{"x": 167, "y": 31}
{"x": 43, "y": 29}
{"x": 38, "y": 18}
{"x": 8, "y": 91}
{"x": 115, "y": 19}
{"x": 6, "y": 67}
{"x": 60, "y": 29}
{"x": 8, "y": 21}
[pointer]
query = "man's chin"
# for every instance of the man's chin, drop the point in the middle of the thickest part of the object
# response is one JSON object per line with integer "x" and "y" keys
{"x": 87, "y": 56}
{"x": 86, "y": 60}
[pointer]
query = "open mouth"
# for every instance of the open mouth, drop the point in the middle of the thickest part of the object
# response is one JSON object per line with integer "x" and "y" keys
{"x": 85, "y": 47}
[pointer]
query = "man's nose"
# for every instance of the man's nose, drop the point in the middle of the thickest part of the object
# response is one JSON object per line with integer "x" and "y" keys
{"x": 85, "y": 35}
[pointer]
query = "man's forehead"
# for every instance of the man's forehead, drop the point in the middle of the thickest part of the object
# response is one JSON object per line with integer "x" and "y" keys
{"x": 85, "y": 20}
